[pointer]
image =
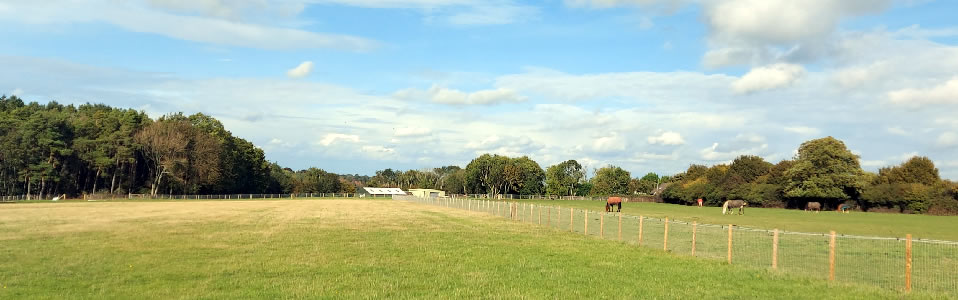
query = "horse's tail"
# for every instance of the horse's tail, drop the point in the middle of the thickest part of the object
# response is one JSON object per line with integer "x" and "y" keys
{"x": 724, "y": 207}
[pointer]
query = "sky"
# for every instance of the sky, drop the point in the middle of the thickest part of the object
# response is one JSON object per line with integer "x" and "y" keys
{"x": 355, "y": 86}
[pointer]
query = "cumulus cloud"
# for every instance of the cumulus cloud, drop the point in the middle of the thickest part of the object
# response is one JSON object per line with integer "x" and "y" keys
{"x": 768, "y": 77}
{"x": 667, "y": 138}
{"x": 333, "y": 138}
{"x": 443, "y": 95}
{"x": 781, "y": 22}
{"x": 301, "y": 70}
{"x": 946, "y": 93}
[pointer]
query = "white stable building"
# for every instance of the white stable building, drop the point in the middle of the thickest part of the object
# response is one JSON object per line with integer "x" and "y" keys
{"x": 380, "y": 192}
{"x": 427, "y": 193}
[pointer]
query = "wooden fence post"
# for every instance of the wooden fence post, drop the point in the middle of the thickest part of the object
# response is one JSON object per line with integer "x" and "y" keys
{"x": 640, "y": 229}
{"x": 498, "y": 210}
{"x": 620, "y": 227}
{"x": 665, "y": 240}
{"x": 730, "y": 244}
{"x": 601, "y": 225}
{"x": 831, "y": 257}
{"x": 694, "y": 225}
{"x": 571, "y": 214}
{"x": 775, "y": 249}
{"x": 585, "y": 218}
{"x": 908, "y": 263}
{"x": 540, "y": 215}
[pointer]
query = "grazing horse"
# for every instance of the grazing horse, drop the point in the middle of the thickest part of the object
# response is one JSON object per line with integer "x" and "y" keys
{"x": 732, "y": 204}
{"x": 817, "y": 207}
{"x": 613, "y": 201}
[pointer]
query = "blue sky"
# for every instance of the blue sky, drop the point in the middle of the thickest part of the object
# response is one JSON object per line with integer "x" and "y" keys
{"x": 649, "y": 85}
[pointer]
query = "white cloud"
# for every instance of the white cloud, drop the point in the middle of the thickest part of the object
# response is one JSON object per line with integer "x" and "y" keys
{"x": 609, "y": 144}
{"x": 332, "y": 138}
{"x": 443, "y": 95}
{"x": 803, "y": 130}
{"x": 768, "y": 77}
{"x": 645, "y": 86}
{"x": 16, "y": 92}
{"x": 714, "y": 153}
{"x": 188, "y": 27}
{"x": 781, "y": 22}
{"x": 946, "y": 93}
{"x": 947, "y": 139}
{"x": 667, "y": 138}
{"x": 412, "y": 131}
{"x": 301, "y": 70}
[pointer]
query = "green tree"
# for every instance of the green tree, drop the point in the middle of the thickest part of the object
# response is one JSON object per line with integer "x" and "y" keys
{"x": 562, "y": 179}
{"x": 610, "y": 180}
{"x": 824, "y": 170}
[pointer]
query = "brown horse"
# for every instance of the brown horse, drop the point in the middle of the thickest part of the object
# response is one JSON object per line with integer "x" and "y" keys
{"x": 613, "y": 201}
{"x": 817, "y": 207}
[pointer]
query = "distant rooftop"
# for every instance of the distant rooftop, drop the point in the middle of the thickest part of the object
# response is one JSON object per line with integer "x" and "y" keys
{"x": 384, "y": 191}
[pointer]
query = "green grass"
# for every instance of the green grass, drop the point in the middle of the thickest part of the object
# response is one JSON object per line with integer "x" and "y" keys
{"x": 878, "y": 262}
{"x": 348, "y": 249}
{"x": 856, "y": 223}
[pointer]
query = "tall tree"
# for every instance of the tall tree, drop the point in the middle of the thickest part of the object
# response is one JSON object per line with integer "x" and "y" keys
{"x": 563, "y": 178}
{"x": 824, "y": 170}
{"x": 610, "y": 180}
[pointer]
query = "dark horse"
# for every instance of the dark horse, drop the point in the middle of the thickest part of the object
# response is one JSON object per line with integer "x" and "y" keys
{"x": 613, "y": 201}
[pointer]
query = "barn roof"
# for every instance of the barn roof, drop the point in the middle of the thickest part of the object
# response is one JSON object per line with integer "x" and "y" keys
{"x": 384, "y": 191}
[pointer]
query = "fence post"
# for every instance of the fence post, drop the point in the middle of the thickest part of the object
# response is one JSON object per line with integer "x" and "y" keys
{"x": 775, "y": 249}
{"x": 640, "y": 229}
{"x": 694, "y": 225}
{"x": 730, "y": 244}
{"x": 665, "y": 240}
{"x": 831, "y": 257}
{"x": 601, "y": 225}
{"x": 585, "y": 218}
{"x": 549, "y": 217}
{"x": 908, "y": 263}
{"x": 498, "y": 210}
{"x": 620, "y": 227}
{"x": 540, "y": 215}
{"x": 571, "y": 215}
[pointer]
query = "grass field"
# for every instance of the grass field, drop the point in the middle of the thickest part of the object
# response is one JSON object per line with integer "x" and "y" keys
{"x": 857, "y": 223}
{"x": 347, "y": 249}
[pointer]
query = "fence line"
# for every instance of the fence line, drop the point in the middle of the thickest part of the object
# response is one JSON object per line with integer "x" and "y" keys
{"x": 104, "y": 197}
{"x": 903, "y": 264}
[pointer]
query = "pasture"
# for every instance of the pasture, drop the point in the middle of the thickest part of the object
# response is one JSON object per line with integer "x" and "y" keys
{"x": 856, "y": 223}
{"x": 348, "y": 249}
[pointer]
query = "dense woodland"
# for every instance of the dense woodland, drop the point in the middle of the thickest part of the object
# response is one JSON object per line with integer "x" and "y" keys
{"x": 58, "y": 149}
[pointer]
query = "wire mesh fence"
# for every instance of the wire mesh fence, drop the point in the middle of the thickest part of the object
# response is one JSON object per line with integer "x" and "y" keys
{"x": 893, "y": 263}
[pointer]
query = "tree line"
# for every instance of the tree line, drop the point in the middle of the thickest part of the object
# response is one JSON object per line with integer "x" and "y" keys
{"x": 824, "y": 171}
{"x": 56, "y": 149}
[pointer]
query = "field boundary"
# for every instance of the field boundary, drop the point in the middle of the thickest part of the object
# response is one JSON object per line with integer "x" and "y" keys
{"x": 895, "y": 263}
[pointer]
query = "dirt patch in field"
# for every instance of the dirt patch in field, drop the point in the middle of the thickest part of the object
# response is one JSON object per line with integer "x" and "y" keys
{"x": 22, "y": 220}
